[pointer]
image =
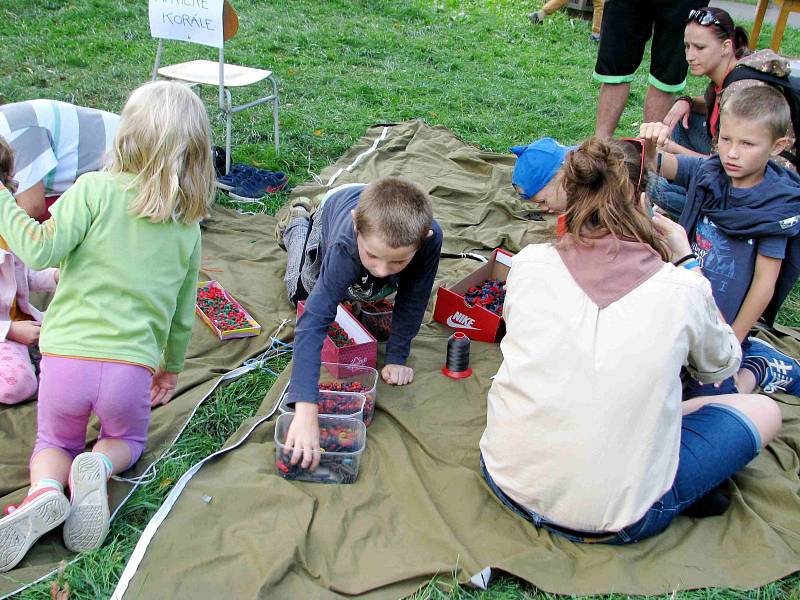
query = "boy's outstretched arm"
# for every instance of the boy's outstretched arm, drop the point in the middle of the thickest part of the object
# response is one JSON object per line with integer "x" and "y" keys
{"x": 656, "y": 136}
{"x": 758, "y": 296}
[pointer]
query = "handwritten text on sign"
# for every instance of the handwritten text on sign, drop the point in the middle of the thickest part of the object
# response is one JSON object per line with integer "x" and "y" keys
{"x": 198, "y": 21}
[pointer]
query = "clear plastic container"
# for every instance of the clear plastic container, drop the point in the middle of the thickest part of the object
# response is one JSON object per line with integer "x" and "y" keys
{"x": 353, "y": 378}
{"x": 342, "y": 440}
{"x": 338, "y": 404}
{"x": 378, "y": 323}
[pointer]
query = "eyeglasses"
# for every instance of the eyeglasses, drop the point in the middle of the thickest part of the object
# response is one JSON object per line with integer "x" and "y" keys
{"x": 641, "y": 143}
{"x": 702, "y": 17}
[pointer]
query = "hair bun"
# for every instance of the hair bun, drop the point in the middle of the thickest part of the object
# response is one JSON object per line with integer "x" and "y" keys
{"x": 588, "y": 164}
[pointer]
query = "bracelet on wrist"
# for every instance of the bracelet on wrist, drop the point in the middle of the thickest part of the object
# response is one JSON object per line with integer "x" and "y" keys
{"x": 688, "y": 99}
{"x": 692, "y": 264}
{"x": 682, "y": 260}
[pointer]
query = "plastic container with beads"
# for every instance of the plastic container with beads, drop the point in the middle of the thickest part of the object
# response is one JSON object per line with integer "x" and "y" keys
{"x": 338, "y": 377}
{"x": 377, "y": 318}
{"x": 342, "y": 441}
{"x": 339, "y": 404}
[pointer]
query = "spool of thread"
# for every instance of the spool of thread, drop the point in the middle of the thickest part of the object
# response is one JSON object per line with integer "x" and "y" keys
{"x": 457, "y": 363}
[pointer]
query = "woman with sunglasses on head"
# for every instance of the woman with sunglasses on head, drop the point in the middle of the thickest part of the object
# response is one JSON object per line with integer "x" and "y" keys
{"x": 587, "y": 435}
{"x": 714, "y": 46}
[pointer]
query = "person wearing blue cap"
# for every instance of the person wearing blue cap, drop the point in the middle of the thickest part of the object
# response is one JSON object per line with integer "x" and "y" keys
{"x": 534, "y": 176}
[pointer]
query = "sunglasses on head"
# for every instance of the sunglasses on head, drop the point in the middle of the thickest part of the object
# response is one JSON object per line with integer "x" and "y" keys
{"x": 701, "y": 16}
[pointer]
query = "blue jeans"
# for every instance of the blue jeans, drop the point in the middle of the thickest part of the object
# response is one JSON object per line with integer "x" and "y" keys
{"x": 669, "y": 196}
{"x": 695, "y": 389}
{"x": 716, "y": 442}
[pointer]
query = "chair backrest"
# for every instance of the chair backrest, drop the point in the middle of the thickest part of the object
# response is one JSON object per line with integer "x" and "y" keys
{"x": 211, "y": 25}
{"x": 178, "y": 29}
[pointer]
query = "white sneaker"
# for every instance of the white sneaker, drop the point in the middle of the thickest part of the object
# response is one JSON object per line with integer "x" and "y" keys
{"x": 42, "y": 511}
{"x": 89, "y": 519}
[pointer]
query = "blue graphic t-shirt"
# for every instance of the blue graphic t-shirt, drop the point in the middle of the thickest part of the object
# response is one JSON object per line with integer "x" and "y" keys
{"x": 729, "y": 262}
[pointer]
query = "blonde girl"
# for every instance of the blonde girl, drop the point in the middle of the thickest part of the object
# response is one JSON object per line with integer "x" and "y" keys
{"x": 115, "y": 334}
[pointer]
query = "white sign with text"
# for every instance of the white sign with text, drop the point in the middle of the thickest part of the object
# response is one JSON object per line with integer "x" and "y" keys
{"x": 198, "y": 21}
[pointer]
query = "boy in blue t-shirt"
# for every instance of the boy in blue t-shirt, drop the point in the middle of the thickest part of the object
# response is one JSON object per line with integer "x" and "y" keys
{"x": 742, "y": 217}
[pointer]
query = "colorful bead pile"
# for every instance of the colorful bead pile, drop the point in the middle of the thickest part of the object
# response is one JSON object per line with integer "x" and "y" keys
{"x": 338, "y": 404}
{"x": 339, "y": 336}
{"x": 225, "y": 314}
{"x": 332, "y": 468}
{"x": 326, "y": 405}
{"x": 382, "y": 305}
{"x": 377, "y": 318}
{"x": 491, "y": 294}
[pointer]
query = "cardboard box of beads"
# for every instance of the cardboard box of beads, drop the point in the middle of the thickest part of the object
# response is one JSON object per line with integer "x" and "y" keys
{"x": 220, "y": 311}
{"x": 474, "y": 304}
{"x": 348, "y": 342}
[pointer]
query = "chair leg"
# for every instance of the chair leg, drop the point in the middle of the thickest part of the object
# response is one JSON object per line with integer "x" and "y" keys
{"x": 780, "y": 26}
{"x": 275, "y": 124}
{"x": 228, "y": 124}
{"x": 759, "y": 21}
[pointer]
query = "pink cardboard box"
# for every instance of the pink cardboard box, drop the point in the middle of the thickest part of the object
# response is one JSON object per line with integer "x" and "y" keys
{"x": 363, "y": 353}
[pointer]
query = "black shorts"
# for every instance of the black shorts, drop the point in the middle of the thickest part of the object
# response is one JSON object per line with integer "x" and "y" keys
{"x": 628, "y": 24}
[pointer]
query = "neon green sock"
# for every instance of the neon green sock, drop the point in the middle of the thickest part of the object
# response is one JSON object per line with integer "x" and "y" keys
{"x": 45, "y": 483}
{"x": 107, "y": 462}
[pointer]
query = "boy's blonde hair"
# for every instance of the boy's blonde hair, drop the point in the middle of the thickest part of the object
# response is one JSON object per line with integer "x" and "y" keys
{"x": 397, "y": 211}
{"x": 7, "y": 166}
{"x": 164, "y": 139}
{"x": 760, "y": 104}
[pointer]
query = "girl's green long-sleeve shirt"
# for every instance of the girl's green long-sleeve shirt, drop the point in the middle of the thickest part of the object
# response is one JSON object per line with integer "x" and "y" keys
{"x": 127, "y": 286}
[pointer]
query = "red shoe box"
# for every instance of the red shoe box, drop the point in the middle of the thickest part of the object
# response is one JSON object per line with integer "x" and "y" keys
{"x": 363, "y": 353}
{"x": 477, "y": 322}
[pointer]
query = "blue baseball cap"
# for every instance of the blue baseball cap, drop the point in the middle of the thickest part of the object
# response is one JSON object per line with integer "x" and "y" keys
{"x": 537, "y": 163}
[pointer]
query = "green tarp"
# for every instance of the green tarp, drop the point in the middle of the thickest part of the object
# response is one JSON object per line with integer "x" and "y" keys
{"x": 235, "y": 252}
{"x": 420, "y": 507}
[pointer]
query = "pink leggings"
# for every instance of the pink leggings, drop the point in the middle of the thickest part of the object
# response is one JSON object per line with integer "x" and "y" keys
{"x": 17, "y": 378}
{"x": 72, "y": 389}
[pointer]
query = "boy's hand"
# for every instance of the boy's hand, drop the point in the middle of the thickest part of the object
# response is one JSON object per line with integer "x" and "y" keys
{"x": 656, "y": 135}
{"x": 397, "y": 374}
{"x": 24, "y": 332}
{"x": 674, "y": 235}
{"x": 162, "y": 388}
{"x": 303, "y": 436}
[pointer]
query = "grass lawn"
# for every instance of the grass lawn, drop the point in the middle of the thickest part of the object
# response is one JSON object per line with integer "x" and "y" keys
{"x": 477, "y": 67}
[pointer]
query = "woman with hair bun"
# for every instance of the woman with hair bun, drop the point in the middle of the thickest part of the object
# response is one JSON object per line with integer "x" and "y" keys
{"x": 587, "y": 435}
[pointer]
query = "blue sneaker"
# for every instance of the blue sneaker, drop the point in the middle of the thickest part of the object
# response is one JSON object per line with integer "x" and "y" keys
{"x": 781, "y": 372}
{"x": 258, "y": 185}
{"x": 238, "y": 174}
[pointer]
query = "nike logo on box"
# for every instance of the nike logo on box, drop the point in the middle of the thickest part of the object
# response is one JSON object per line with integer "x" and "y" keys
{"x": 460, "y": 321}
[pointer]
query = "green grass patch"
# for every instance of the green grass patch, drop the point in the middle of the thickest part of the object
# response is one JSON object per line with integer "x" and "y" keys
{"x": 477, "y": 67}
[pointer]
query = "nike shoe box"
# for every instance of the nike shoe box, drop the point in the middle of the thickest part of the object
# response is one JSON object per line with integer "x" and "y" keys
{"x": 477, "y": 322}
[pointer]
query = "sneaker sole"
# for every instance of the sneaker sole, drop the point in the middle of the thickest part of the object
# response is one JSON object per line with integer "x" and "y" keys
{"x": 245, "y": 198}
{"x": 88, "y": 521}
{"x": 20, "y": 530}
{"x": 224, "y": 186}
